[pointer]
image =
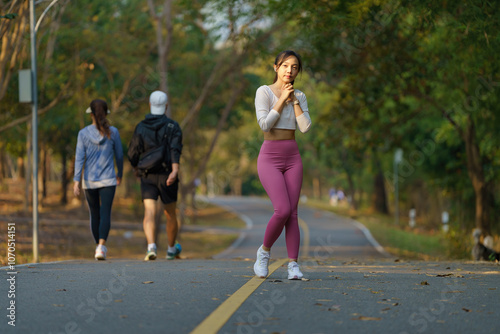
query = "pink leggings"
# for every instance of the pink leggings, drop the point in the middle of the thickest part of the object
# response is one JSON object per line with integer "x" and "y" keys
{"x": 280, "y": 172}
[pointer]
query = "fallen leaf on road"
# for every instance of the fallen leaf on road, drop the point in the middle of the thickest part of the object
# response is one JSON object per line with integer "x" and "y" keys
{"x": 424, "y": 283}
{"x": 61, "y": 290}
{"x": 318, "y": 304}
{"x": 124, "y": 316}
{"x": 214, "y": 298}
{"x": 454, "y": 291}
{"x": 323, "y": 300}
{"x": 492, "y": 288}
{"x": 147, "y": 282}
{"x": 118, "y": 300}
{"x": 276, "y": 281}
{"x": 444, "y": 275}
{"x": 305, "y": 279}
{"x": 466, "y": 310}
{"x": 363, "y": 318}
{"x": 386, "y": 309}
{"x": 334, "y": 308}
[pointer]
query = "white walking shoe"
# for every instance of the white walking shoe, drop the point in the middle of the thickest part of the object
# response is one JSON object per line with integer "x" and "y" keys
{"x": 100, "y": 252}
{"x": 261, "y": 264}
{"x": 294, "y": 271}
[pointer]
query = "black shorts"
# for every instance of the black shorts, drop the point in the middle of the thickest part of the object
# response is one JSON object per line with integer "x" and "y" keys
{"x": 153, "y": 185}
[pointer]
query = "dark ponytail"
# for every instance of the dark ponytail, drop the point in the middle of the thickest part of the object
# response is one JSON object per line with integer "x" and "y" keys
{"x": 100, "y": 111}
{"x": 284, "y": 55}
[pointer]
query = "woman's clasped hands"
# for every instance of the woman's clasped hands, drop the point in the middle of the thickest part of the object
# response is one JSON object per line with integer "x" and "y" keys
{"x": 288, "y": 93}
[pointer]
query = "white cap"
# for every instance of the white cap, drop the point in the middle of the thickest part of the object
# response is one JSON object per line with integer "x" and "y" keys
{"x": 158, "y": 100}
{"x": 89, "y": 111}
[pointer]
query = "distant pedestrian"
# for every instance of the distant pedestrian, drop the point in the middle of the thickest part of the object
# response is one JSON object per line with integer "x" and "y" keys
{"x": 281, "y": 109}
{"x": 333, "y": 196}
{"x": 340, "y": 195}
{"x": 97, "y": 147}
{"x": 155, "y": 152}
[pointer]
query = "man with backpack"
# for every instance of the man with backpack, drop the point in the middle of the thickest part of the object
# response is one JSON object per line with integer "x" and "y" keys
{"x": 154, "y": 152}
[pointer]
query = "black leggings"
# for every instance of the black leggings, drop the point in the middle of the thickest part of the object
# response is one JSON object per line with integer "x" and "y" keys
{"x": 100, "y": 201}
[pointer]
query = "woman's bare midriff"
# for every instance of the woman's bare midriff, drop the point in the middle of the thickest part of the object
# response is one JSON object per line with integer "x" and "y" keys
{"x": 279, "y": 134}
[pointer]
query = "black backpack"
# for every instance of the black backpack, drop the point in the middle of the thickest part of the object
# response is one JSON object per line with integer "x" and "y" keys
{"x": 157, "y": 160}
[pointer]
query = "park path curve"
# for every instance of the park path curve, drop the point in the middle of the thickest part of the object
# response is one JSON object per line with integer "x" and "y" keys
{"x": 323, "y": 234}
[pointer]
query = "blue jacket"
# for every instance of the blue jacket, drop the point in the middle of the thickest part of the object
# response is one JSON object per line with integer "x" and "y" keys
{"x": 96, "y": 153}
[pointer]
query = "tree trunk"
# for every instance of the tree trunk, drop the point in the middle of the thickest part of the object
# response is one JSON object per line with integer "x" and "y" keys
{"x": 44, "y": 173}
{"x": 316, "y": 187}
{"x": 379, "y": 193}
{"x": 21, "y": 171}
{"x": 237, "y": 186}
{"x": 28, "y": 171}
{"x": 476, "y": 175}
{"x": 162, "y": 21}
{"x": 64, "y": 177}
{"x": 3, "y": 169}
{"x": 344, "y": 158}
{"x": 352, "y": 190}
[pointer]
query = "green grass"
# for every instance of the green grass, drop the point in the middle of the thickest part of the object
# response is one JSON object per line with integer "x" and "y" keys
{"x": 400, "y": 242}
{"x": 406, "y": 244}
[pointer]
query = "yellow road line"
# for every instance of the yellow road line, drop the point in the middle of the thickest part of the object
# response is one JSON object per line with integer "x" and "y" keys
{"x": 221, "y": 314}
{"x": 305, "y": 239}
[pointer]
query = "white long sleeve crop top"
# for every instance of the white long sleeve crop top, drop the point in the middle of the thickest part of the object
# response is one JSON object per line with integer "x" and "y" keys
{"x": 268, "y": 118}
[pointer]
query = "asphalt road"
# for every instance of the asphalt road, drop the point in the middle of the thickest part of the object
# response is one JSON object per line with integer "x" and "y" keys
{"x": 352, "y": 288}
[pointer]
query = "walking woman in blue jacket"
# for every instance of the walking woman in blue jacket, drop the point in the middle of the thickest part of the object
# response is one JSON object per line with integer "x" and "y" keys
{"x": 97, "y": 146}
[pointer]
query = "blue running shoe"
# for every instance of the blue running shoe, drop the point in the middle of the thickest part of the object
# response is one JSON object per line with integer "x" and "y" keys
{"x": 178, "y": 250}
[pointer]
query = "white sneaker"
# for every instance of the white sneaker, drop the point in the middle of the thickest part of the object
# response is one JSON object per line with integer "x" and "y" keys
{"x": 100, "y": 252}
{"x": 294, "y": 271}
{"x": 260, "y": 266}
